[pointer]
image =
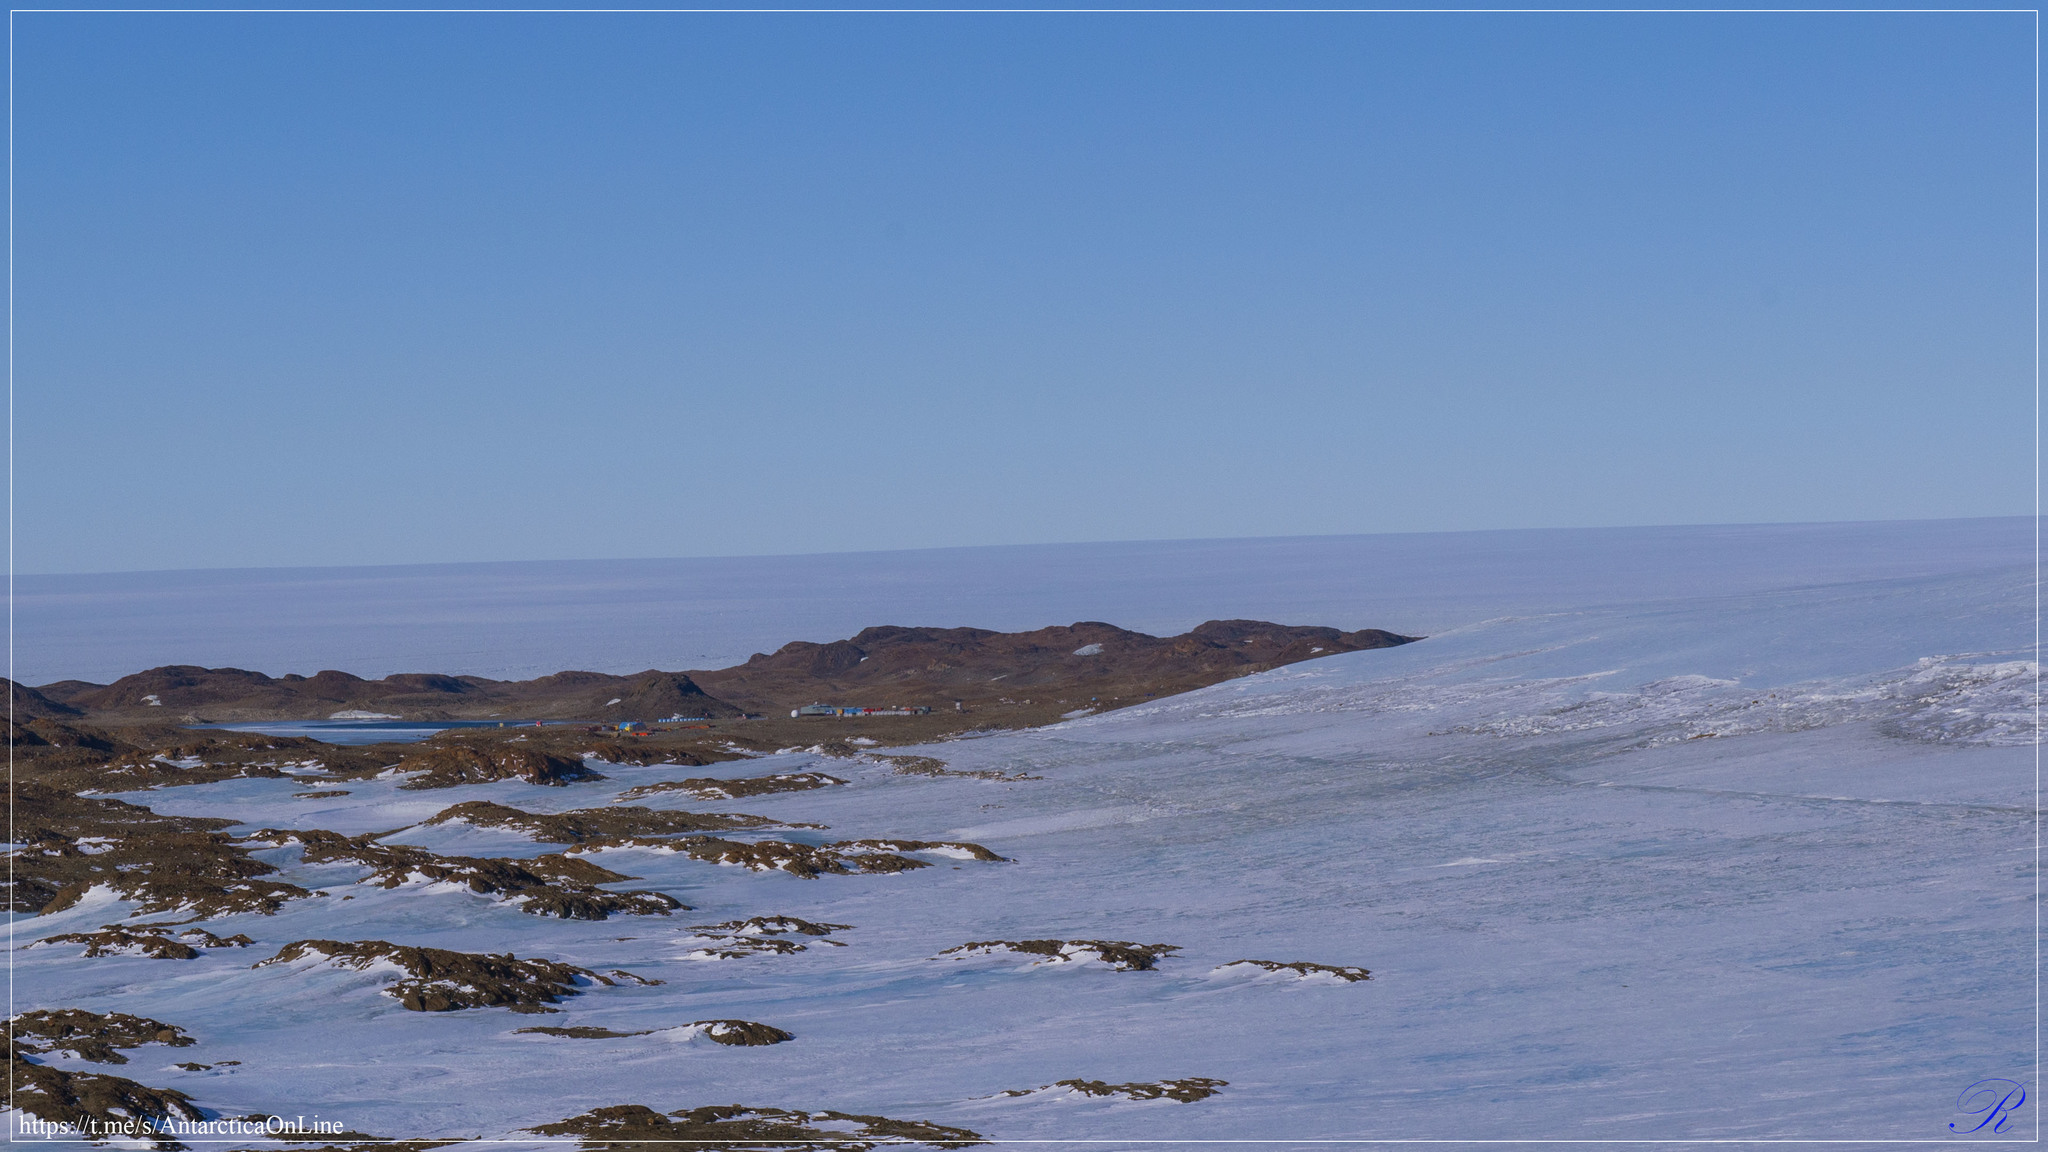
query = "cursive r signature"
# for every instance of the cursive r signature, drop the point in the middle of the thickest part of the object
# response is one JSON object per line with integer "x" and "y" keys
{"x": 1993, "y": 1099}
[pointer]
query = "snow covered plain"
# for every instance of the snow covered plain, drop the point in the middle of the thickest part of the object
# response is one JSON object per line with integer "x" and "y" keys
{"x": 1749, "y": 864}
{"x": 519, "y": 620}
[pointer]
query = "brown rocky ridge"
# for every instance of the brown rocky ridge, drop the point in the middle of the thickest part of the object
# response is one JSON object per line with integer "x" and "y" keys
{"x": 549, "y": 885}
{"x": 81, "y": 758}
{"x": 705, "y": 788}
{"x": 738, "y": 939}
{"x": 71, "y": 844}
{"x": 152, "y": 940}
{"x": 453, "y": 765}
{"x": 742, "y": 1033}
{"x": 586, "y": 1032}
{"x": 629, "y": 1127}
{"x": 586, "y": 824}
{"x": 641, "y": 755}
{"x": 90, "y": 1035}
{"x": 95, "y": 1101}
{"x": 844, "y": 858}
{"x": 1080, "y": 662}
{"x": 738, "y": 1033}
{"x": 1187, "y": 1090}
{"x": 1121, "y": 955}
{"x": 1085, "y": 665}
{"x": 908, "y": 765}
{"x": 234, "y": 694}
{"x": 1304, "y": 968}
{"x": 442, "y": 980}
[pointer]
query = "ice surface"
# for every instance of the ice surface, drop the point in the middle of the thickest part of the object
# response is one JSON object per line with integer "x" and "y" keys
{"x": 528, "y": 619}
{"x": 1755, "y": 861}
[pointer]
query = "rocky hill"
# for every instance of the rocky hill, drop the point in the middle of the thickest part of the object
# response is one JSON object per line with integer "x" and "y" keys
{"x": 230, "y": 694}
{"x": 1084, "y": 663}
{"x": 1079, "y": 662}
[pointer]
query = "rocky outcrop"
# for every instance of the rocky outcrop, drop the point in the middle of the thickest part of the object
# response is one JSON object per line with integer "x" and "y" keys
{"x": 805, "y": 860}
{"x": 550, "y": 885}
{"x": 705, "y": 788}
{"x": 937, "y": 666}
{"x": 440, "y": 980}
{"x": 71, "y": 845}
{"x": 451, "y": 766}
{"x": 1302, "y": 968}
{"x": 584, "y": 824}
{"x": 94, "y": 1102}
{"x": 884, "y": 665}
{"x": 153, "y": 940}
{"x": 738, "y": 939}
{"x": 1186, "y": 1090}
{"x": 90, "y": 1035}
{"x": 223, "y": 694}
{"x": 1121, "y": 955}
{"x": 630, "y": 1128}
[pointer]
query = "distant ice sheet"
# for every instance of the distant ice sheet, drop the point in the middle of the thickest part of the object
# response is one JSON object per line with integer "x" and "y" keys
{"x": 526, "y": 619}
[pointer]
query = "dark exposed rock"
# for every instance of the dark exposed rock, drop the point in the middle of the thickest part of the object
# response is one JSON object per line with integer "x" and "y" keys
{"x": 651, "y": 695}
{"x": 90, "y": 1035}
{"x": 239, "y": 694}
{"x": 1187, "y": 1090}
{"x": 805, "y": 860}
{"x": 760, "y": 855}
{"x": 95, "y": 1101}
{"x": 43, "y": 732}
{"x": 202, "y": 873}
{"x": 441, "y": 980}
{"x": 77, "y": 758}
{"x": 585, "y": 824}
{"x": 889, "y": 665}
{"x": 738, "y": 939}
{"x": 704, "y": 788}
{"x": 742, "y": 1033}
{"x": 773, "y": 925}
{"x": 909, "y": 765}
{"x": 145, "y": 940}
{"x": 454, "y": 765}
{"x": 72, "y": 844}
{"x": 932, "y": 766}
{"x": 1122, "y": 955}
{"x": 586, "y": 1032}
{"x": 25, "y": 703}
{"x": 628, "y": 1127}
{"x": 1303, "y": 968}
{"x": 936, "y": 666}
{"x": 643, "y": 755}
{"x": 550, "y": 885}
{"x": 942, "y": 847}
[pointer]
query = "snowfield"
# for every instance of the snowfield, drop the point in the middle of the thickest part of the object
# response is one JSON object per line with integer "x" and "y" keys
{"x": 1755, "y": 861}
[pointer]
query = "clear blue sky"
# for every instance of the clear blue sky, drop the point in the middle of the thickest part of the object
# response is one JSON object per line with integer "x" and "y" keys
{"x": 317, "y": 289}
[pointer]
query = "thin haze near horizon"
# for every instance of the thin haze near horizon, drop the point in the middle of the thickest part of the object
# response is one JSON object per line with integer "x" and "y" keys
{"x": 313, "y": 289}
